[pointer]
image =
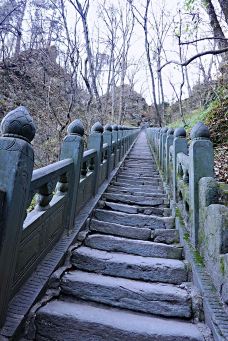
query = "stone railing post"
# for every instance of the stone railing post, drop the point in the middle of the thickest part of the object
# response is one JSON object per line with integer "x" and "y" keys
{"x": 95, "y": 141}
{"x": 107, "y": 138}
{"x": 179, "y": 145}
{"x": 120, "y": 142}
{"x": 16, "y": 167}
{"x": 115, "y": 139}
{"x": 163, "y": 150}
{"x": 124, "y": 140}
{"x": 72, "y": 148}
{"x": 201, "y": 164}
{"x": 168, "y": 144}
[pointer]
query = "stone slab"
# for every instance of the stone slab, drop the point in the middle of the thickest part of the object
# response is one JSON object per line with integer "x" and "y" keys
{"x": 153, "y": 298}
{"x": 168, "y": 236}
{"x": 135, "y": 220}
{"x": 131, "y": 200}
{"x": 134, "y": 247}
{"x": 62, "y": 320}
{"x": 136, "y": 209}
{"x": 129, "y": 266}
{"x": 120, "y": 230}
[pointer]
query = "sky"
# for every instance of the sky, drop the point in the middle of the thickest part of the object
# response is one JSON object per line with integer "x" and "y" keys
{"x": 137, "y": 49}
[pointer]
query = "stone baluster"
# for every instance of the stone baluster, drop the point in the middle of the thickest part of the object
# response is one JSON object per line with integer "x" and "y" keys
{"x": 120, "y": 142}
{"x": 201, "y": 164}
{"x": 115, "y": 139}
{"x": 168, "y": 144}
{"x": 107, "y": 138}
{"x": 72, "y": 148}
{"x": 163, "y": 150}
{"x": 16, "y": 160}
{"x": 95, "y": 141}
{"x": 179, "y": 145}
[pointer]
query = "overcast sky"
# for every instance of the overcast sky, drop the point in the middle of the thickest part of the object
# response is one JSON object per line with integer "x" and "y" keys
{"x": 137, "y": 50}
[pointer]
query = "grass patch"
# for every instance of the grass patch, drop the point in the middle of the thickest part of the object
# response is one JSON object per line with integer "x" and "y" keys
{"x": 198, "y": 258}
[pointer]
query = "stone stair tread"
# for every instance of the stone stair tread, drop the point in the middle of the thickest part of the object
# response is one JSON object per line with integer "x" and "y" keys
{"x": 134, "y": 247}
{"x": 148, "y": 210}
{"x": 129, "y": 199}
{"x": 120, "y": 230}
{"x": 168, "y": 236}
{"x": 130, "y": 266}
{"x": 153, "y": 298}
{"x": 64, "y": 320}
{"x": 143, "y": 187}
{"x": 135, "y": 220}
{"x": 135, "y": 192}
{"x": 152, "y": 182}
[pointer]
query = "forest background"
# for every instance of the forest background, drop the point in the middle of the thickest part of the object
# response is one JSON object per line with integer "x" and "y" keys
{"x": 128, "y": 62}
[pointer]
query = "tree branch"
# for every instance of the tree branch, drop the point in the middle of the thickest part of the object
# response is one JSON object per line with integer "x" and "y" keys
{"x": 187, "y": 62}
{"x": 201, "y": 39}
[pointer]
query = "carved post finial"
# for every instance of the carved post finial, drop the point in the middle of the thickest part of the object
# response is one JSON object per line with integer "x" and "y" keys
{"x": 76, "y": 128}
{"x": 200, "y": 130}
{"x": 97, "y": 128}
{"x": 170, "y": 131}
{"x": 115, "y": 127}
{"x": 108, "y": 127}
{"x": 18, "y": 123}
{"x": 180, "y": 132}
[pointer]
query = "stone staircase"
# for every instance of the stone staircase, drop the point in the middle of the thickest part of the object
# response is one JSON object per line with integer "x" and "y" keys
{"x": 129, "y": 280}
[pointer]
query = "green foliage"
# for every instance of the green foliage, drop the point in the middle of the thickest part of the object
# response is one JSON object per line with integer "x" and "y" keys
{"x": 198, "y": 258}
{"x": 189, "y": 4}
{"x": 222, "y": 265}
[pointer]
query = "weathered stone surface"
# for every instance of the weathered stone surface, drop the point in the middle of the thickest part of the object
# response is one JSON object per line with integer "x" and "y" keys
{"x": 123, "y": 177}
{"x": 129, "y": 266}
{"x": 121, "y": 207}
{"x": 153, "y": 182}
{"x": 157, "y": 299}
{"x": 143, "y": 187}
{"x": 136, "y": 191}
{"x": 168, "y": 236}
{"x": 136, "y": 209}
{"x": 134, "y": 247}
{"x": 136, "y": 220}
{"x": 120, "y": 230}
{"x": 62, "y": 320}
{"x": 129, "y": 199}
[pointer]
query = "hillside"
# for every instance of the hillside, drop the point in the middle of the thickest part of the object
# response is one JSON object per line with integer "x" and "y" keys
{"x": 34, "y": 79}
{"x": 215, "y": 116}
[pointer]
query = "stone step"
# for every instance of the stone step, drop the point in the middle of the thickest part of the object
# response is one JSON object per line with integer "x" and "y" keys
{"x": 132, "y": 200}
{"x": 152, "y": 182}
{"x": 143, "y": 188}
{"x": 135, "y": 208}
{"x": 129, "y": 266}
{"x": 140, "y": 178}
{"x": 136, "y": 191}
{"x": 168, "y": 236}
{"x": 137, "y": 173}
{"x": 134, "y": 247}
{"x": 135, "y": 220}
{"x": 120, "y": 230}
{"x": 154, "y": 298}
{"x": 81, "y": 321}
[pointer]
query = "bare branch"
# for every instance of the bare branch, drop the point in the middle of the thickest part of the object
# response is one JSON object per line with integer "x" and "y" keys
{"x": 201, "y": 39}
{"x": 187, "y": 62}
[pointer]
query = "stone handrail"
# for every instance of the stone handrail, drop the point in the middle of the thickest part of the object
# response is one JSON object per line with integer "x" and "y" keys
{"x": 54, "y": 194}
{"x": 187, "y": 169}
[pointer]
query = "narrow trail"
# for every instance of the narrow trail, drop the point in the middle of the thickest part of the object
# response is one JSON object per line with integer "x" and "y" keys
{"x": 129, "y": 280}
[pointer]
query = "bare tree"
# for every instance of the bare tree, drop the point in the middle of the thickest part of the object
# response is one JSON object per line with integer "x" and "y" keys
{"x": 82, "y": 10}
{"x": 143, "y": 21}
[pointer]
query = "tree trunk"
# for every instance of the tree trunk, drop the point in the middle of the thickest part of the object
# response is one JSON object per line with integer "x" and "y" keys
{"x": 21, "y": 13}
{"x": 224, "y": 7}
{"x": 216, "y": 27}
